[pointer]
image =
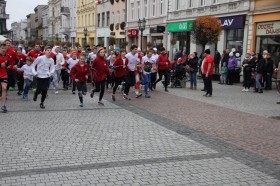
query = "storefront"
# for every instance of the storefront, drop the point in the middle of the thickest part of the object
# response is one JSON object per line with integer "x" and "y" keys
{"x": 132, "y": 36}
{"x": 181, "y": 34}
{"x": 156, "y": 34}
{"x": 233, "y": 27}
{"x": 268, "y": 36}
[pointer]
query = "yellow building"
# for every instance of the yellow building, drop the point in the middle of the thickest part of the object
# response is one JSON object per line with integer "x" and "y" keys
{"x": 265, "y": 26}
{"x": 85, "y": 20}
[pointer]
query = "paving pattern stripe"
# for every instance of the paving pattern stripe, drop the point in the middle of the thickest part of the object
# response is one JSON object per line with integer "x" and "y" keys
{"x": 110, "y": 165}
{"x": 246, "y": 157}
{"x": 56, "y": 110}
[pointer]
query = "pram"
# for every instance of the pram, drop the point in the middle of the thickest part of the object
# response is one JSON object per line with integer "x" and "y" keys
{"x": 178, "y": 76}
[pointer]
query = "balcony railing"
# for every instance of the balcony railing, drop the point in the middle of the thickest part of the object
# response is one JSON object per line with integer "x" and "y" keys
{"x": 4, "y": 16}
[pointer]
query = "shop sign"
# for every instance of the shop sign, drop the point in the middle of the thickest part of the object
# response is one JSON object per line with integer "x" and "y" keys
{"x": 112, "y": 33}
{"x": 179, "y": 27}
{"x": 268, "y": 28}
{"x": 233, "y": 22}
{"x": 132, "y": 33}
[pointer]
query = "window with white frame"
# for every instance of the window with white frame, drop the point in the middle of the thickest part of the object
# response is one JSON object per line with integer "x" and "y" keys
{"x": 132, "y": 11}
{"x": 161, "y": 7}
{"x": 118, "y": 16}
{"x": 113, "y": 18}
{"x": 201, "y": 2}
{"x": 138, "y": 10}
{"x": 177, "y": 4}
{"x": 154, "y": 8}
{"x": 215, "y": 1}
{"x": 145, "y": 8}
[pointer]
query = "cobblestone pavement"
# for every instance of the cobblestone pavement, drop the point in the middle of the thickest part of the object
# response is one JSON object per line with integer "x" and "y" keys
{"x": 128, "y": 143}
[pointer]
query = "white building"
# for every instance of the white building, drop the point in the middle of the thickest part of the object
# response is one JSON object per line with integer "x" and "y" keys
{"x": 155, "y": 14}
{"x": 54, "y": 22}
{"x": 18, "y": 29}
{"x": 232, "y": 13}
{"x": 45, "y": 17}
{"x": 103, "y": 21}
{"x": 72, "y": 7}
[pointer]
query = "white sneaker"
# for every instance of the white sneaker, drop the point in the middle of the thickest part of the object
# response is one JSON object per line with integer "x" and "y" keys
{"x": 247, "y": 90}
{"x": 244, "y": 89}
{"x": 56, "y": 92}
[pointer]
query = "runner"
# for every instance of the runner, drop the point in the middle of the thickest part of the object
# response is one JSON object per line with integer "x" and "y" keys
{"x": 3, "y": 76}
{"x": 71, "y": 62}
{"x": 99, "y": 71}
{"x": 13, "y": 58}
{"x": 79, "y": 73}
{"x": 45, "y": 69}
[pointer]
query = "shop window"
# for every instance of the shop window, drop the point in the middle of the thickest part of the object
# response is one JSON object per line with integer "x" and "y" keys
{"x": 234, "y": 39}
{"x": 269, "y": 43}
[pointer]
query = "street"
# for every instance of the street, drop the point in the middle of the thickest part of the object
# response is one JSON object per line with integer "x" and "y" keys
{"x": 174, "y": 138}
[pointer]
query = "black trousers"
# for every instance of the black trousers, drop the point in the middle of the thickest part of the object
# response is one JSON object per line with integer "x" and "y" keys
{"x": 42, "y": 87}
{"x": 166, "y": 75}
{"x": 11, "y": 78}
{"x": 129, "y": 80}
{"x": 100, "y": 87}
{"x": 247, "y": 79}
{"x": 208, "y": 84}
{"x": 20, "y": 82}
{"x": 153, "y": 79}
{"x": 118, "y": 82}
{"x": 204, "y": 81}
{"x": 82, "y": 90}
{"x": 268, "y": 80}
{"x": 230, "y": 76}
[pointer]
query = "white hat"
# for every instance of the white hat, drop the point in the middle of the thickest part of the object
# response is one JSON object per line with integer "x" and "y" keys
{"x": 231, "y": 54}
{"x": 155, "y": 49}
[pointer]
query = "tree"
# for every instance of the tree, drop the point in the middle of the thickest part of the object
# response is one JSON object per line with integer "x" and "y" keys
{"x": 206, "y": 30}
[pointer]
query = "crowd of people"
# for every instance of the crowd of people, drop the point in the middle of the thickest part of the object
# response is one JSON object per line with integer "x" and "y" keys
{"x": 37, "y": 69}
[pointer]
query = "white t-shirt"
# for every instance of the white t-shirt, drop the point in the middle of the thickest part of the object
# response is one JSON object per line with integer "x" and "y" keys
{"x": 71, "y": 62}
{"x": 148, "y": 64}
{"x": 132, "y": 60}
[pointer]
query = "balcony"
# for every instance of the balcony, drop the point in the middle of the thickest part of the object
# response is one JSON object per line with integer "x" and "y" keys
{"x": 4, "y": 16}
{"x": 65, "y": 11}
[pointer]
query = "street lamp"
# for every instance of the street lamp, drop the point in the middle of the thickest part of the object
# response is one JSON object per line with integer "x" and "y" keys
{"x": 85, "y": 34}
{"x": 142, "y": 25}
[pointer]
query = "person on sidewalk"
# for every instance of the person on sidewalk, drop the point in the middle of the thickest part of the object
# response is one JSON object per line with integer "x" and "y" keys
{"x": 259, "y": 69}
{"x": 148, "y": 64}
{"x": 79, "y": 73}
{"x": 121, "y": 70}
{"x": 45, "y": 69}
{"x": 268, "y": 71}
{"x": 3, "y": 76}
{"x": 208, "y": 70}
{"x": 232, "y": 63}
{"x": 193, "y": 64}
{"x": 163, "y": 68}
{"x": 99, "y": 70}
{"x": 27, "y": 76}
{"x": 247, "y": 72}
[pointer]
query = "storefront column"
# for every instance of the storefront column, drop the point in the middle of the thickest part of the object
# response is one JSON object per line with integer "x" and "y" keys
{"x": 222, "y": 42}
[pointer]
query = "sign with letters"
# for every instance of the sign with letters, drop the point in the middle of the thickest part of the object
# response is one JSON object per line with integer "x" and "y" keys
{"x": 268, "y": 28}
{"x": 179, "y": 27}
{"x": 132, "y": 33}
{"x": 232, "y": 22}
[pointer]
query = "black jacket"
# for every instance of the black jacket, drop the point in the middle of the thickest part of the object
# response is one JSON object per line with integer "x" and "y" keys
{"x": 269, "y": 66}
{"x": 193, "y": 63}
{"x": 260, "y": 66}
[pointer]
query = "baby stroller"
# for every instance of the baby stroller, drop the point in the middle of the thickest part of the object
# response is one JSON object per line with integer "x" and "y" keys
{"x": 178, "y": 75}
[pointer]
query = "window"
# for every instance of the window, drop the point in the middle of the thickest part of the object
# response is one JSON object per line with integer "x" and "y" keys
{"x": 138, "y": 9}
{"x": 108, "y": 18}
{"x": 177, "y": 4}
{"x": 234, "y": 39}
{"x": 190, "y": 3}
{"x": 161, "y": 7}
{"x": 132, "y": 11}
{"x": 215, "y": 1}
{"x": 103, "y": 19}
{"x": 145, "y": 8}
{"x": 98, "y": 20}
{"x": 154, "y": 8}
{"x": 85, "y": 23}
{"x": 202, "y": 2}
{"x": 118, "y": 17}
{"x": 113, "y": 17}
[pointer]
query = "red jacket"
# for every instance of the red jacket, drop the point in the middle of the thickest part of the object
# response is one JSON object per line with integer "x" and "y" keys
{"x": 120, "y": 71}
{"x": 34, "y": 54}
{"x": 12, "y": 54}
{"x": 100, "y": 69}
{"x": 79, "y": 72}
{"x": 3, "y": 71}
{"x": 162, "y": 60}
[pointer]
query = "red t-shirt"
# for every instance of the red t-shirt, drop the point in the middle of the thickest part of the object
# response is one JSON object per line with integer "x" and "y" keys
{"x": 3, "y": 71}
{"x": 12, "y": 54}
{"x": 208, "y": 60}
{"x": 34, "y": 54}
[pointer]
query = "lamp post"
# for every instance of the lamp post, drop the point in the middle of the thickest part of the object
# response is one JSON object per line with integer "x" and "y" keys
{"x": 142, "y": 25}
{"x": 85, "y": 34}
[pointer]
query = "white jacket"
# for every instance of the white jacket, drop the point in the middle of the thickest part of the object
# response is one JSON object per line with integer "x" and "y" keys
{"x": 45, "y": 67}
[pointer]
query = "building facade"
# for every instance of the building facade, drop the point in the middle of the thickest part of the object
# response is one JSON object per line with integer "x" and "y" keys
{"x": 103, "y": 21}
{"x": 234, "y": 20}
{"x": 18, "y": 30}
{"x": 45, "y": 17}
{"x": 86, "y": 20}
{"x": 54, "y": 21}
{"x": 3, "y": 18}
{"x": 264, "y": 29}
{"x": 39, "y": 22}
{"x": 30, "y": 28}
{"x": 117, "y": 22}
{"x": 155, "y": 14}
{"x": 72, "y": 7}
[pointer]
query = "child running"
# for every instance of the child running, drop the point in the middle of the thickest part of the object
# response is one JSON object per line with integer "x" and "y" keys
{"x": 79, "y": 73}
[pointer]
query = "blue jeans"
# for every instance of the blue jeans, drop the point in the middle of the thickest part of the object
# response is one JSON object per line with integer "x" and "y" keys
{"x": 193, "y": 78}
{"x": 258, "y": 80}
{"x": 27, "y": 86}
{"x": 147, "y": 78}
